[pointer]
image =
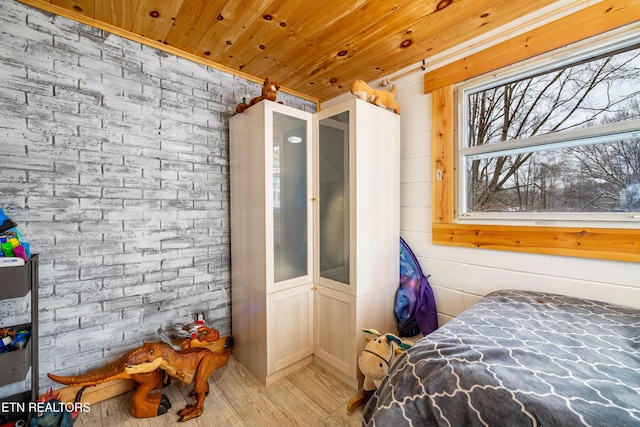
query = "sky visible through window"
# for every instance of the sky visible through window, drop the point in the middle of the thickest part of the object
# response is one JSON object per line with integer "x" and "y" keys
{"x": 586, "y": 175}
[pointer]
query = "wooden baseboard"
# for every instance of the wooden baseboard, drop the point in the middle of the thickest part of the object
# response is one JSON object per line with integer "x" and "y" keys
{"x": 97, "y": 393}
{"x": 114, "y": 388}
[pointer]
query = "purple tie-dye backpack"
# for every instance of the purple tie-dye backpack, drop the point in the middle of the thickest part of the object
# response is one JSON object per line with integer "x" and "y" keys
{"x": 415, "y": 306}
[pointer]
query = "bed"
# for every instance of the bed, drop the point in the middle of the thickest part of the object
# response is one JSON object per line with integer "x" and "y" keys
{"x": 519, "y": 358}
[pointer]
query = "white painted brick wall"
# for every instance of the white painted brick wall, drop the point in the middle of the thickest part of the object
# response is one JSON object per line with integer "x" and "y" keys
{"x": 114, "y": 164}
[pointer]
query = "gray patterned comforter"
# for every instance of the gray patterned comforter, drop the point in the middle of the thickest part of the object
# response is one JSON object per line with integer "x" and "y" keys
{"x": 519, "y": 358}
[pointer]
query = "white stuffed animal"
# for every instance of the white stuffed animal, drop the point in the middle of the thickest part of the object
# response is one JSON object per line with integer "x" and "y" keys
{"x": 376, "y": 359}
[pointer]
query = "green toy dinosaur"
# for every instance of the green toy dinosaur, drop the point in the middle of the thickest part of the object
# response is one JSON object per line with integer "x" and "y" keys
{"x": 53, "y": 412}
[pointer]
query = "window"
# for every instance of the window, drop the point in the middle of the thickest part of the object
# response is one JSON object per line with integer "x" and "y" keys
{"x": 559, "y": 141}
{"x": 596, "y": 234}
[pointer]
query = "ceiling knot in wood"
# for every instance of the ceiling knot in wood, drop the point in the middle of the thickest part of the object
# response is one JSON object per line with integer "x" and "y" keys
{"x": 443, "y": 4}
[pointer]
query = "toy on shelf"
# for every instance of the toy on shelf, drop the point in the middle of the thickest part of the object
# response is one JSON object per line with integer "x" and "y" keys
{"x": 20, "y": 340}
{"x": 7, "y": 332}
{"x": 12, "y": 244}
{"x": 374, "y": 362}
{"x": 5, "y": 342}
{"x": 381, "y": 98}
{"x": 5, "y": 222}
{"x": 11, "y": 340}
{"x": 269, "y": 91}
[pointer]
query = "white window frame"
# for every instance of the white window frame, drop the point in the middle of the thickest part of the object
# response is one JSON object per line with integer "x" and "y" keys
{"x": 579, "y": 51}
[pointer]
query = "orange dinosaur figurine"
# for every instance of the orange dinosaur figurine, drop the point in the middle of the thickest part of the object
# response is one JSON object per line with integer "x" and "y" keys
{"x": 145, "y": 365}
{"x": 193, "y": 335}
{"x": 269, "y": 91}
{"x": 201, "y": 336}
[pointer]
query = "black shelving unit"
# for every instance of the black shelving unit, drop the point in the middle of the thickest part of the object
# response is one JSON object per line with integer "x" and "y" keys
{"x": 16, "y": 282}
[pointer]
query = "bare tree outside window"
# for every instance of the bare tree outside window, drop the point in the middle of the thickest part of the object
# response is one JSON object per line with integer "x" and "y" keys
{"x": 566, "y": 177}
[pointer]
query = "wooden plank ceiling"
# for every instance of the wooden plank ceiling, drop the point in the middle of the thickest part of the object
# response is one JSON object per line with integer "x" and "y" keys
{"x": 313, "y": 48}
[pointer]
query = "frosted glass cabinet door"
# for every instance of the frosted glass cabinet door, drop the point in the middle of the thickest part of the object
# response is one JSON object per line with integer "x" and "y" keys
{"x": 290, "y": 242}
{"x": 333, "y": 216}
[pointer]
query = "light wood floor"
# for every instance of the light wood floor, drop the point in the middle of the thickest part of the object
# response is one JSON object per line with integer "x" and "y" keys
{"x": 308, "y": 397}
